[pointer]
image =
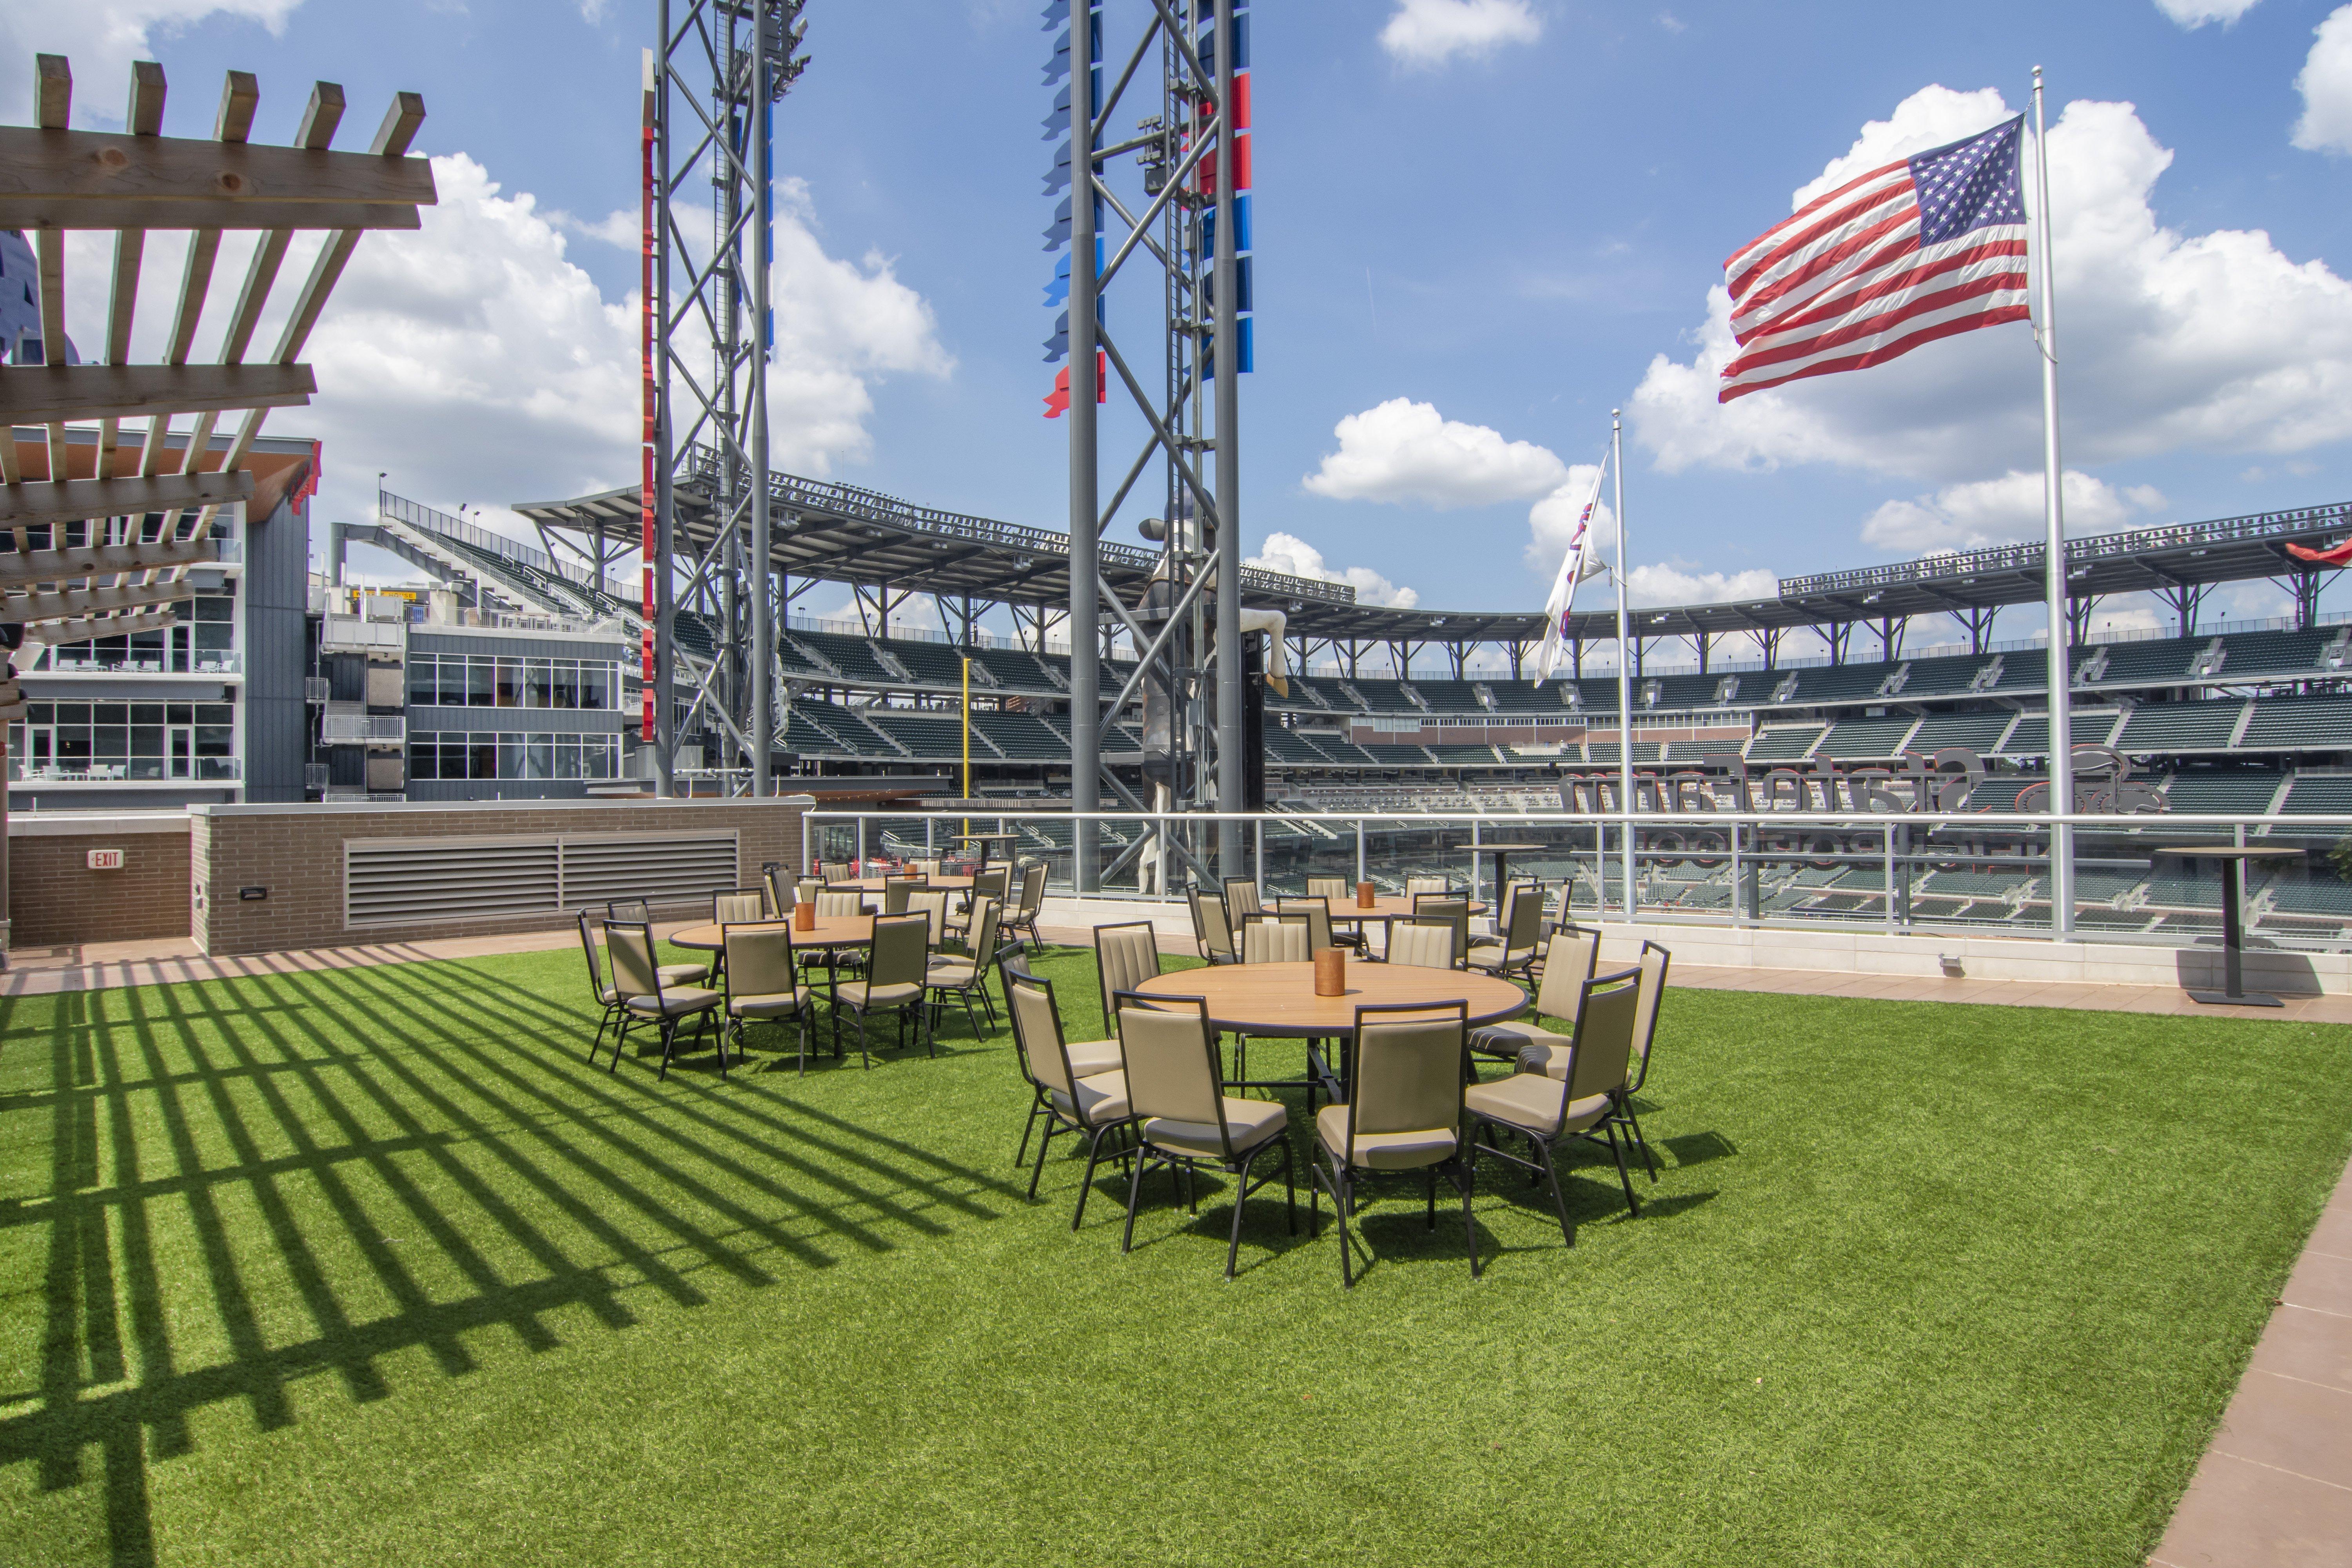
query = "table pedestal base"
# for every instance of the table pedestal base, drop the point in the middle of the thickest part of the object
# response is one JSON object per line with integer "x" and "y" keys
{"x": 2243, "y": 999}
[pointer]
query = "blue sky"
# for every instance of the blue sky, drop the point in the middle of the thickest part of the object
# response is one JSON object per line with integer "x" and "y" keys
{"x": 1515, "y": 235}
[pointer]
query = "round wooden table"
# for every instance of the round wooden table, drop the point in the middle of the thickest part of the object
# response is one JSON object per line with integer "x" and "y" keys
{"x": 840, "y": 930}
{"x": 1279, "y": 1000}
{"x": 1348, "y": 912}
{"x": 933, "y": 884}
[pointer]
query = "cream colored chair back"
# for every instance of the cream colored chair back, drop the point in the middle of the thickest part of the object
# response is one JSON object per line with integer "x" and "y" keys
{"x": 1604, "y": 1035}
{"x": 1276, "y": 939}
{"x": 900, "y": 953}
{"x": 1328, "y": 887}
{"x": 1423, "y": 943}
{"x": 834, "y": 871}
{"x": 1037, "y": 1030}
{"x": 759, "y": 960}
{"x": 1242, "y": 900}
{"x": 743, "y": 904}
{"x": 1209, "y": 927}
{"x": 1170, "y": 1061}
{"x": 830, "y": 905}
{"x": 630, "y": 945}
{"x": 1408, "y": 1079}
{"x": 1454, "y": 911}
{"x": 1033, "y": 889}
{"x": 1575, "y": 952}
{"x": 1318, "y": 919}
{"x": 1125, "y": 957}
{"x": 982, "y": 941}
{"x": 1654, "y": 960}
{"x": 806, "y": 890}
{"x": 1417, "y": 885}
{"x": 931, "y": 903}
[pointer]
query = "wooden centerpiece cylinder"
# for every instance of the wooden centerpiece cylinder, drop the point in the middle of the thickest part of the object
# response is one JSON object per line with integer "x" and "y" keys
{"x": 804, "y": 917}
{"x": 1364, "y": 899}
{"x": 1331, "y": 972}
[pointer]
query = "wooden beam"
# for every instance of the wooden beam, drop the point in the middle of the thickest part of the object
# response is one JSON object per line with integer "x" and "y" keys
{"x": 39, "y": 393}
{"x": 24, "y": 568}
{"x": 44, "y": 212}
{"x": 52, "y": 90}
{"x": 84, "y": 628}
{"x": 35, "y": 607}
{"x": 74, "y": 500}
{"x": 111, "y": 167}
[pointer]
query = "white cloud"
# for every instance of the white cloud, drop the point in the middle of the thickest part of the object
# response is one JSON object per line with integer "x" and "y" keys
{"x": 1288, "y": 553}
{"x": 2167, "y": 341}
{"x": 1669, "y": 584}
{"x": 623, "y": 228}
{"x": 2006, "y": 510}
{"x": 2325, "y": 83}
{"x": 100, "y": 38}
{"x": 477, "y": 363}
{"x": 1551, "y": 522}
{"x": 1430, "y": 33}
{"x": 1401, "y": 451}
{"x": 2195, "y": 14}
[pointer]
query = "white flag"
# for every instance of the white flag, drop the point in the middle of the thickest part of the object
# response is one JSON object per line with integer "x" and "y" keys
{"x": 1583, "y": 560}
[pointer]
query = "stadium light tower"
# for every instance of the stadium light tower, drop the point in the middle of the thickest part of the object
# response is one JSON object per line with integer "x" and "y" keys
{"x": 1191, "y": 222}
{"x": 710, "y": 88}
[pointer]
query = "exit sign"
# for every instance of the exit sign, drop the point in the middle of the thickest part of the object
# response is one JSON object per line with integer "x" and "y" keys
{"x": 105, "y": 860}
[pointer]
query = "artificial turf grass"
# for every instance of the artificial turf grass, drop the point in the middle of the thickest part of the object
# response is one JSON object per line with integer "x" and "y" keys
{"x": 1919, "y": 1284}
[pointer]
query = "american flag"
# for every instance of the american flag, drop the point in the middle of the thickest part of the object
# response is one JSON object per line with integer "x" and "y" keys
{"x": 1899, "y": 256}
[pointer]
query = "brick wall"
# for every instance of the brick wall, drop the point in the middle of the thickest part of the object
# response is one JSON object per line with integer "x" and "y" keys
{"x": 54, "y": 898}
{"x": 297, "y": 853}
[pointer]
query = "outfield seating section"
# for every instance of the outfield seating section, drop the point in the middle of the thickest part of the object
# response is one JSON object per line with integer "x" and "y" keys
{"x": 2323, "y": 793}
{"x": 2231, "y": 791}
{"x": 1867, "y": 738}
{"x": 1980, "y": 733}
{"x": 1784, "y": 744}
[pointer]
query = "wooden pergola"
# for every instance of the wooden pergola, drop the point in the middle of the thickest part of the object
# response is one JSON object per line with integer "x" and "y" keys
{"x": 96, "y": 540}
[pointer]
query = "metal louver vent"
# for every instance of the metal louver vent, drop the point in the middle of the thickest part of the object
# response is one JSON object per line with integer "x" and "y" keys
{"x": 403, "y": 881}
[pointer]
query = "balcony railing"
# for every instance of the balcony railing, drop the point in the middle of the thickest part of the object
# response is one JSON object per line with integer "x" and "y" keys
{"x": 131, "y": 771}
{"x": 361, "y": 729}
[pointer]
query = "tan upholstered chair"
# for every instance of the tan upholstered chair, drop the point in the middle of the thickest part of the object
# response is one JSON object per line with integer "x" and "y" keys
{"x": 1560, "y": 993}
{"x": 1456, "y": 910}
{"x": 1654, "y": 960}
{"x": 1318, "y": 919}
{"x": 743, "y": 905}
{"x": 893, "y": 984}
{"x": 965, "y": 975}
{"x": 1512, "y": 948}
{"x": 1241, "y": 901}
{"x": 1094, "y": 1104}
{"x": 635, "y": 911}
{"x": 1403, "y": 1113}
{"x": 1339, "y": 892}
{"x": 1021, "y": 914}
{"x": 763, "y": 984}
{"x": 1547, "y": 1111}
{"x": 806, "y": 890}
{"x": 608, "y": 996}
{"x": 931, "y": 903}
{"x": 1426, "y": 943}
{"x": 771, "y": 883}
{"x": 835, "y": 871}
{"x": 989, "y": 884}
{"x": 645, "y": 998}
{"x": 1125, "y": 955}
{"x": 895, "y": 891}
{"x": 839, "y": 904}
{"x": 1184, "y": 1119}
{"x": 1416, "y": 886}
{"x": 1209, "y": 931}
{"x": 1276, "y": 939}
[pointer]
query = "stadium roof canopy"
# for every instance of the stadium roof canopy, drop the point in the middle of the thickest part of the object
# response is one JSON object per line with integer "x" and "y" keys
{"x": 843, "y": 533}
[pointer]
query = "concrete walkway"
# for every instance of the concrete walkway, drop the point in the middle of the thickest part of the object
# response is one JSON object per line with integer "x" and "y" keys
{"x": 2274, "y": 1490}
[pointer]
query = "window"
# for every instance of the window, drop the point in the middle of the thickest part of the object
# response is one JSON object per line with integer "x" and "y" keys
{"x": 511, "y": 755}
{"x": 125, "y": 740}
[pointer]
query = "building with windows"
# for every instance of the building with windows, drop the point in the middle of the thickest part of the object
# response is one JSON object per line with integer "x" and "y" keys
{"x": 207, "y": 709}
{"x": 506, "y": 678}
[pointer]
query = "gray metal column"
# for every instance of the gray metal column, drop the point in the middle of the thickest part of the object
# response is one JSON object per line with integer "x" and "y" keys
{"x": 1229, "y": 764}
{"x": 1085, "y": 610}
{"x": 758, "y": 707}
{"x": 664, "y": 671}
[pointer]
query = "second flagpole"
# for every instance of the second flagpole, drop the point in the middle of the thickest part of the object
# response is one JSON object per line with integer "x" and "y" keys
{"x": 1624, "y": 665}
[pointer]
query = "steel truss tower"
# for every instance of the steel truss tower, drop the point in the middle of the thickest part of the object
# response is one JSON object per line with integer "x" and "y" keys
{"x": 1192, "y": 223}
{"x": 711, "y": 91}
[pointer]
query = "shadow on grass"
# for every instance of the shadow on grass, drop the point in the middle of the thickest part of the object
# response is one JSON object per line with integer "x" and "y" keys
{"x": 282, "y": 1122}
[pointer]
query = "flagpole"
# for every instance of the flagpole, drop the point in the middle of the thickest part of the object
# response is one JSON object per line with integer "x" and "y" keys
{"x": 2061, "y": 729}
{"x": 1624, "y": 665}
